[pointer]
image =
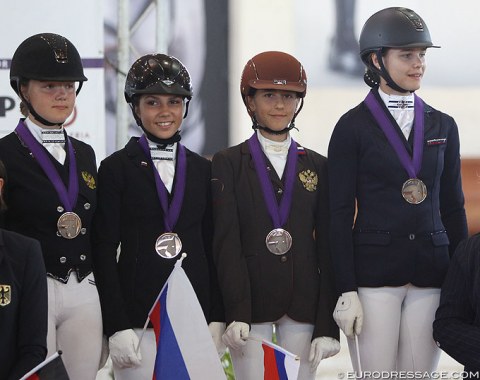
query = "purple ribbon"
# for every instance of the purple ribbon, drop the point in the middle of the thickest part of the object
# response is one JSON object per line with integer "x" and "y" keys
{"x": 172, "y": 212}
{"x": 278, "y": 214}
{"x": 67, "y": 197}
{"x": 411, "y": 165}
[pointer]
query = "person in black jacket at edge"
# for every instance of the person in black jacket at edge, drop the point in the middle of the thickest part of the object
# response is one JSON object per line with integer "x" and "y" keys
{"x": 456, "y": 328}
{"x": 23, "y": 301}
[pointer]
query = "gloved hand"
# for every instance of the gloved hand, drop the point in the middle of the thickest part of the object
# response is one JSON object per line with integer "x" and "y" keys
{"x": 349, "y": 314}
{"x": 122, "y": 346}
{"x": 236, "y": 334}
{"x": 216, "y": 330}
{"x": 322, "y": 348}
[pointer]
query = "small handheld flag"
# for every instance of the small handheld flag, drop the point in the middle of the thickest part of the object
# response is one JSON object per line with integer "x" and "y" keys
{"x": 185, "y": 348}
{"x": 51, "y": 368}
{"x": 279, "y": 364}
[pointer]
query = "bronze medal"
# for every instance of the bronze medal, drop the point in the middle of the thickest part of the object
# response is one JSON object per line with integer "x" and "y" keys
{"x": 69, "y": 225}
{"x": 278, "y": 241}
{"x": 168, "y": 245}
{"x": 414, "y": 191}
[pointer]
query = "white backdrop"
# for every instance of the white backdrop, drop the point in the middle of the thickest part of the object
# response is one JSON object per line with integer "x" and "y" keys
{"x": 82, "y": 23}
{"x": 304, "y": 28}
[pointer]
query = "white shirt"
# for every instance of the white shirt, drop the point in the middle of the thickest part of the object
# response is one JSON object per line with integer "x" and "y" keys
{"x": 402, "y": 110}
{"x": 53, "y": 139}
{"x": 276, "y": 151}
{"x": 164, "y": 160}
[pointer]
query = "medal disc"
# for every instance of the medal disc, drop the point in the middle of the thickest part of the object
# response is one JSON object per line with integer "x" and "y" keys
{"x": 414, "y": 191}
{"x": 69, "y": 225}
{"x": 168, "y": 245}
{"x": 278, "y": 241}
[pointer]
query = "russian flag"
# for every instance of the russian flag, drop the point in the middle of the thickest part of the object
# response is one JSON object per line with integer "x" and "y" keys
{"x": 279, "y": 364}
{"x": 185, "y": 348}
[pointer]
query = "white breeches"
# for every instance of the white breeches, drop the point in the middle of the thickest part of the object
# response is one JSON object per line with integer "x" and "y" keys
{"x": 291, "y": 335}
{"x": 397, "y": 329}
{"x": 75, "y": 325}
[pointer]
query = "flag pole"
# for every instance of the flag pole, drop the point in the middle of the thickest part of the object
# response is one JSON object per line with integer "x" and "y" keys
{"x": 42, "y": 364}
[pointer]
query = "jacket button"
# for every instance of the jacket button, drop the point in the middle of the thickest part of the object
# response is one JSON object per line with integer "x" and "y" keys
{"x": 60, "y": 209}
{"x": 63, "y": 259}
{"x": 284, "y": 259}
{"x": 83, "y": 257}
{"x": 83, "y": 231}
{"x": 279, "y": 191}
{"x": 87, "y": 206}
{"x": 411, "y": 236}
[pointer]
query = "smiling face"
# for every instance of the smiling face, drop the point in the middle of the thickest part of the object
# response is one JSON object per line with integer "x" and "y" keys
{"x": 405, "y": 66}
{"x": 54, "y": 101}
{"x": 273, "y": 109}
{"x": 161, "y": 115}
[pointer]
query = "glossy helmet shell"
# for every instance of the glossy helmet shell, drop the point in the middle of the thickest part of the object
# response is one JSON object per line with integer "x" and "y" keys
{"x": 394, "y": 27}
{"x": 158, "y": 74}
{"x": 273, "y": 70}
{"x": 46, "y": 57}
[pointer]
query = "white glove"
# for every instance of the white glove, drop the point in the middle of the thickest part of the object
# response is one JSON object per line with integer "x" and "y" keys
{"x": 122, "y": 346}
{"x": 216, "y": 330}
{"x": 322, "y": 348}
{"x": 236, "y": 334}
{"x": 349, "y": 314}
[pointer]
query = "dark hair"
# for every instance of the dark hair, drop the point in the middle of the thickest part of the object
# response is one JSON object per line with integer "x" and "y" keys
{"x": 3, "y": 175}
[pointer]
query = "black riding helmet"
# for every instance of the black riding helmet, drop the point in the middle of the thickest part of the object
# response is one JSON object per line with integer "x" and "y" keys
{"x": 394, "y": 27}
{"x": 45, "y": 57}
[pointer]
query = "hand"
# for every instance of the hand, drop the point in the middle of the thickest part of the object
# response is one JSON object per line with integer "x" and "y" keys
{"x": 236, "y": 335}
{"x": 122, "y": 346}
{"x": 216, "y": 330}
{"x": 349, "y": 314}
{"x": 322, "y": 348}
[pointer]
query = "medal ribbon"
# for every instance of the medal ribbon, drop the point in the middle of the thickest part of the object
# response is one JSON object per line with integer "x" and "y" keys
{"x": 278, "y": 214}
{"x": 69, "y": 196}
{"x": 170, "y": 214}
{"x": 411, "y": 165}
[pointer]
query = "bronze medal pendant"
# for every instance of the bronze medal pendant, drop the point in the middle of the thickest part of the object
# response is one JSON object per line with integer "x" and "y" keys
{"x": 69, "y": 225}
{"x": 278, "y": 241}
{"x": 414, "y": 191}
{"x": 168, "y": 245}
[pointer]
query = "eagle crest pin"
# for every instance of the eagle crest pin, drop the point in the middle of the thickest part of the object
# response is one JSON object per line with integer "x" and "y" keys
{"x": 5, "y": 295}
{"x": 309, "y": 180}
{"x": 89, "y": 180}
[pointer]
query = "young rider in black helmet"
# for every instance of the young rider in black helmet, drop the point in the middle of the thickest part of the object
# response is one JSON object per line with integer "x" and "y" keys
{"x": 51, "y": 194}
{"x": 154, "y": 204}
{"x": 394, "y": 169}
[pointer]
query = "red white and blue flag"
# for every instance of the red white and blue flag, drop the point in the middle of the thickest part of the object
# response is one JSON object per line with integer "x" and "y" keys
{"x": 185, "y": 348}
{"x": 279, "y": 364}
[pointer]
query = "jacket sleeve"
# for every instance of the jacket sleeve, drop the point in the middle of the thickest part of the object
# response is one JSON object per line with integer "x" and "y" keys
{"x": 33, "y": 314}
{"x": 451, "y": 194}
{"x": 106, "y": 239}
{"x": 325, "y": 324}
{"x": 227, "y": 247}
{"x": 456, "y": 326}
{"x": 342, "y": 171}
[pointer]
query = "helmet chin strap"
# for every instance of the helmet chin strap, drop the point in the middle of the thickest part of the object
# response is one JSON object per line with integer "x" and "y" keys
{"x": 385, "y": 75}
{"x": 41, "y": 119}
{"x": 256, "y": 126}
{"x": 291, "y": 126}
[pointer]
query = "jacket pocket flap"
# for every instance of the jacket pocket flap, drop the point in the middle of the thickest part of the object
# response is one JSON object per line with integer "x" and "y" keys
{"x": 440, "y": 238}
{"x": 372, "y": 238}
